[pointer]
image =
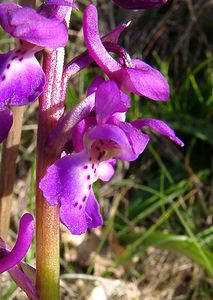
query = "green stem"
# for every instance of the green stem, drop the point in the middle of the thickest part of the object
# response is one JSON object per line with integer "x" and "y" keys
{"x": 47, "y": 218}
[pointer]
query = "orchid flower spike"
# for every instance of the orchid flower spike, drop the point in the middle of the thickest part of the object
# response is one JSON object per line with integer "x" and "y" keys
{"x": 99, "y": 135}
{"x": 132, "y": 75}
{"x": 139, "y": 4}
{"x": 22, "y": 79}
{"x": 10, "y": 260}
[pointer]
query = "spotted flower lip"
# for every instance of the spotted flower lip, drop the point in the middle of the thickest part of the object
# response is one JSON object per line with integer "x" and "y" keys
{"x": 99, "y": 137}
{"x": 10, "y": 258}
{"x": 132, "y": 75}
{"x": 139, "y": 4}
{"x": 6, "y": 118}
{"x": 27, "y": 24}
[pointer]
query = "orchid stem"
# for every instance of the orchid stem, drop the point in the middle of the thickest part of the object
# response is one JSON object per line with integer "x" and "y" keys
{"x": 8, "y": 169}
{"x": 51, "y": 108}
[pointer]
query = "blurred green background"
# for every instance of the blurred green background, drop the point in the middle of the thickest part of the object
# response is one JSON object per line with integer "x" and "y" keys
{"x": 156, "y": 242}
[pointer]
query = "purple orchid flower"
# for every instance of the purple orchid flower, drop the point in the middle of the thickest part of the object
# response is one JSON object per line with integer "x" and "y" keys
{"x": 22, "y": 79}
{"x": 132, "y": 75}
{"x": 139, "y": 4}
{"x": 10, "y": 260}
{"x": 99, "y": 136}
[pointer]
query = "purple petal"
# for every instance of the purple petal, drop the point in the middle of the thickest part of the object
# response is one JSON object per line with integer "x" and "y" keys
{"x": 6, "y": 9}
{"x": 160, "y": 127}
{"x": 78, "y": 63}
{"x": 54, "y": 11}
{"x": 26, "y": 24}
{"x": 137, "y": 139}
{"x": 6, "y": 121}
{"x": 139, "y": 4}
{"x": 106, "y": 169}
{"x": 21, "y": 78}
{"x": 24, "y": 283}
{"x": 29, "y": 271}
{"x": 145, "y": 81}
{"x": 114, "y": 35}
{"x": 95, "y": 84}
{"x": 78, "y": 133}
{"x": 92, "y": 212}
{"x": 61, "y": 134}
{"x": 121, "y": 148}
{"x": 94, "y": 44}
{"x": 37, "y": 29}
{"x": 23, "y": 242}
{"x": 120, "y": 116}
{"x": 109, "y": 99}
{"x": 68, "y": 183}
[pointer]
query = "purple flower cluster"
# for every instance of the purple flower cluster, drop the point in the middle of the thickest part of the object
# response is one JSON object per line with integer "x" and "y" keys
{"x": 94, "y": 134}
{"x": 96, "y": 130}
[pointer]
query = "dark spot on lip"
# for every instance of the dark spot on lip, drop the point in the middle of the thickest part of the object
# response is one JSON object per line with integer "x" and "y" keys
{"x": 18, "y": 51}
{"x": 14, "y": 57}
{"x": 85, "y": 167}
{"x": 80, "y": 207}
{"x": 84, "y": 199}
{"x": 90, "y": 186}
{"x": 98, "y": 148}
{"x": 88, "y": 177}
{"x": 8, "y": 66}
{"x": 75, "y": 204}
{"x": 93, "y": 166}
{"x": 21, "y": 58}
{"x": 3, "y": 78}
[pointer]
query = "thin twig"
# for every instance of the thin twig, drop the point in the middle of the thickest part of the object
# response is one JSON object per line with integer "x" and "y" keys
{"x": 8, "y": 169}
